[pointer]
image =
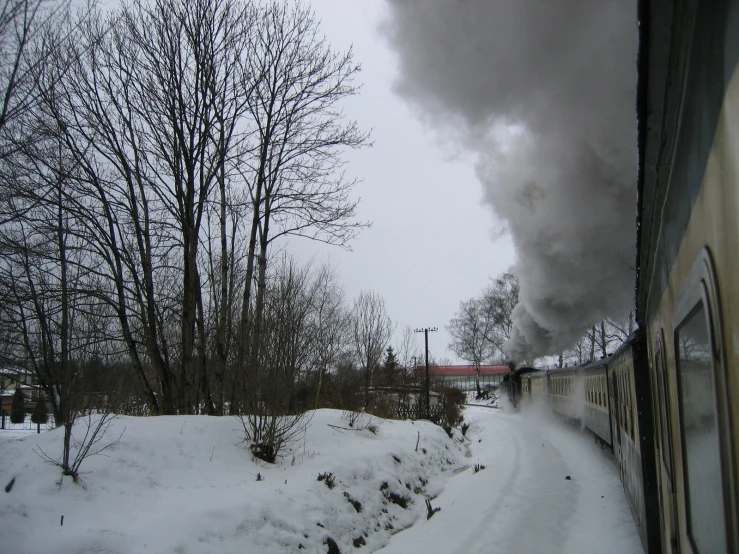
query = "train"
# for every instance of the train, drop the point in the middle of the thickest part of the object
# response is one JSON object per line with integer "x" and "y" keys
{"x": 609, "y": 398}
{"x": 667, "y": 402}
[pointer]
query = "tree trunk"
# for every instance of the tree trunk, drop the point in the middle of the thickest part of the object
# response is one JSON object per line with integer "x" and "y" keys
{"x": 603, "y": 341}
{"x": 592, "y": 344}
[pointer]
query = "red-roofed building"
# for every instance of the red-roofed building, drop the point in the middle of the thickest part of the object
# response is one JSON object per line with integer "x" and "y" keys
{"x": 464, "y": 376}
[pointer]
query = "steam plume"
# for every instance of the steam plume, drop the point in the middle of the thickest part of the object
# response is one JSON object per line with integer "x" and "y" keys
{"x": 544, "y": 91}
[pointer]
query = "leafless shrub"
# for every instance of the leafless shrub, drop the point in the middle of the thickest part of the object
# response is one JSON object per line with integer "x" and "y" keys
{"x": 269, "y": 435}
{"x": 328, "y": 478}
{"x": 351, "y": 416}
{"x": 91, "y": 444}
{"x": 362, "y": 420}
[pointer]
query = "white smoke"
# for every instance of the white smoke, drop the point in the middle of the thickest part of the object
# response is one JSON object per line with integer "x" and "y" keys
{"x": 544, "y": 91}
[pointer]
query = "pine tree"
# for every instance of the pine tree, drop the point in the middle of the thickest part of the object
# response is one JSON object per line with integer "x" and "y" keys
{"x": 18, "y": 409}
{"x": 390, "y": 367}
{"x": 40, "y": 413}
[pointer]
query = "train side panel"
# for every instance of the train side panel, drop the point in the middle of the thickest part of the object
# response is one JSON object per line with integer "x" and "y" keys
{"x": 626, "y": 448}
{"x": 567, "y": 392}
{"x": 688, "y": 294}
{"x": 596, "y": 415}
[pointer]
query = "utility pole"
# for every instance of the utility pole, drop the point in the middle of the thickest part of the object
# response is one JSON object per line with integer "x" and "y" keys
{"x": 425, "y": 332}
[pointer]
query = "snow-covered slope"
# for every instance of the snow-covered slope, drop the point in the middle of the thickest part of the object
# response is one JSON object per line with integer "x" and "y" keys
{"x": 186, "y": 485}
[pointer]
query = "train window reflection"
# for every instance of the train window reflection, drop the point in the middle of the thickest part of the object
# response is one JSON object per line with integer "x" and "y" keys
{"x": 699, "y": 429}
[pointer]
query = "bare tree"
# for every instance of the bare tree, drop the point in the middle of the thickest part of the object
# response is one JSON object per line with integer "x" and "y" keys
{"x": 371, "y": 333}
{"x": 329, "y": 324}
{"x": 173, "y": 142}
{"x": 296, "y": 186}
{"x": 28, "y": 33}
{"x": 408, "y": 353}
{"x": 273, "y": 416}
{"x": 224, "y": 285}
{"x": 149, "y": 108}
{"x": 471, "y": 329}
{"x": 601, "y": 340}
{"x": 498, "y": 301}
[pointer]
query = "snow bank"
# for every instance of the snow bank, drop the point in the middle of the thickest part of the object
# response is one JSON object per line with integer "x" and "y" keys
{"x": 489, "y": 399}
{"x": 186, "y": 484}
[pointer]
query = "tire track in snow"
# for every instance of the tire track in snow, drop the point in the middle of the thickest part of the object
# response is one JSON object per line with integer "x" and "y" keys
{"x": 530, "y": 512}
{"x": 511, "y": 478}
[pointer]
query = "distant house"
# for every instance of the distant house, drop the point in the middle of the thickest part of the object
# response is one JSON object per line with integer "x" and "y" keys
{"x": 12, "y": 378}
{"x": 464, "y": 376}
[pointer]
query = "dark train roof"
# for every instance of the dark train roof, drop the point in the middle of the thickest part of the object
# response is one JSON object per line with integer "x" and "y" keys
{"x": 590, "y": 366}
{"x": 537, "y": 373}
{"x": 564, "y": 370}
{"x": 680, "y": 92}
{"x": 518, "y": 373}
{"x": 597, "y": 364}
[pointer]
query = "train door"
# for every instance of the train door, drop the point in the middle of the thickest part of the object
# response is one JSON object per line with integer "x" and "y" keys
{"x": 616, "y": 422}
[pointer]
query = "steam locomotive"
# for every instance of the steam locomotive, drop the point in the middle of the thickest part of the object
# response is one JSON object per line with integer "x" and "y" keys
{"x": 668, "y": 401}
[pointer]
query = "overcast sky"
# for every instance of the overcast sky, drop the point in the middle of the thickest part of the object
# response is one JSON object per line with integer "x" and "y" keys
{"x": 432, "y": 243}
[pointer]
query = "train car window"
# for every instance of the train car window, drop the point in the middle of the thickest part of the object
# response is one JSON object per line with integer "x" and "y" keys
{"x": 699, "y": 431}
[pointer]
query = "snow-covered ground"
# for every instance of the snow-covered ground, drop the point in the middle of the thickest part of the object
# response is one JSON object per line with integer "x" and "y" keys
{"x": 186, "y": 485}
{"x": 522, "y": 502}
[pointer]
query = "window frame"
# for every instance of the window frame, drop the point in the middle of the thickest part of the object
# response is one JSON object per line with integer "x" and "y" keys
{"x": 700, "y": 287}
{"x": 665, "y": 415}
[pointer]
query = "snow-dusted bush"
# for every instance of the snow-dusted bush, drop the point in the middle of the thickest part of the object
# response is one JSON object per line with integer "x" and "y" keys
{"x": 453, "y": 401}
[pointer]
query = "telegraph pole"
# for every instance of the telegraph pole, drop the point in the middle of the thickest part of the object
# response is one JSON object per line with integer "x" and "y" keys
{"x": 425, "y": 332}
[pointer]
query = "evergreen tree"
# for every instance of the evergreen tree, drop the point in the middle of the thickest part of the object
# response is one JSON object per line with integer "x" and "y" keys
{"x": 389, "y": 367}
{"x": 18, "y": 409}
{"x": 40, "y": 413}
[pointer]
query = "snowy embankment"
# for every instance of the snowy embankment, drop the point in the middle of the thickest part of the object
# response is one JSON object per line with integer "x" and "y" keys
{"x": 489, "y": 398}
{"x": 186, "y": 484}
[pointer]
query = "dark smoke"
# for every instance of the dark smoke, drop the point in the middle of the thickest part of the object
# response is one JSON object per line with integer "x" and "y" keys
{"x": 544, "y": 91}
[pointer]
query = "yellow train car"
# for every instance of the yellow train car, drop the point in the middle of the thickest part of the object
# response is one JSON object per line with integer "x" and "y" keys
{"x": 688, "y": 263}
{"x": 566, "y": 392}
{"x": 596, "y": 415}
{"x": 630, "y": 409}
